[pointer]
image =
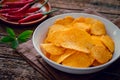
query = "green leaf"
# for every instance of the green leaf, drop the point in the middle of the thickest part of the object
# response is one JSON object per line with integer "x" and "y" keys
{"x": 14, "y": 44}
{"x": 10, "y": 32}
{"x": 25, "y": 35}
{"x": 6, "y": 39}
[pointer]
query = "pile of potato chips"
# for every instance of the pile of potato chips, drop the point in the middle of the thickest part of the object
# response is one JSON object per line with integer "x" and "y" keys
{"x": 78, "y": 42}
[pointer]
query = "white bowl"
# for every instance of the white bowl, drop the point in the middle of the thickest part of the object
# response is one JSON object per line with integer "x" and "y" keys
{"x": 40, "y": 34}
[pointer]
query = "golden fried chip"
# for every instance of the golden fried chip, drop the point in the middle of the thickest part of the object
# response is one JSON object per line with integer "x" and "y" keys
{"x": 54, "y": 28}
{"x": 60, "y": 58}
{"x": 101, "y": 54}
{"x": 98, "y": 28}
{"x": 45, "y": 53}
{"x": 96, "y": 63}
{"x": 78, "y": 60}
{"x": 97, "y": 41}
{"x": 54, "y": 57}
{"x": 65, "y": 21}
{"x": 67, "y": 53}
{"x": 73, "y": 38}
{"x": 108, "y": 42}
{"x": 83, "y": 26}
{"x": 79, "y": 20}
{"x": 52, "y": 49}
{"x": 54, "y": 37}
{"x": 90, "y": 20}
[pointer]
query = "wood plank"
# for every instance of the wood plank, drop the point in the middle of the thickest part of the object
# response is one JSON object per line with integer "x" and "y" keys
{"x": 11, "y": 69}
{"x": 61, "y": 11}
{"x": 112, "y": 8}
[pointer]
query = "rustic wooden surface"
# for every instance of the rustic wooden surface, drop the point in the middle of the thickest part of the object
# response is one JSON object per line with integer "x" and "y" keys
{"x": 14, "y": 67}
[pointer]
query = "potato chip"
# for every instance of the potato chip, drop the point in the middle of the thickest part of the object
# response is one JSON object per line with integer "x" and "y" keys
{"x": 52, "y": 49}
{"x": 45, "y": 53}
{"x": 98, "y": 28}
{"x": 79, "y": 20}
{"x": 108, "y": 42}
{"x": 97, "y": 41}
{"x": 54, "y": 57}
{"x": 83, "y": 26}
{"x": 78, "y": 60}
{"x": 101, "y": 54}
{"x": 60, "y": 58}
{"x": 54, "y": 37}
{"x": 65, "y": 21}
{"x": 90, "y": 21}
{"x": 73, "y": 38}
{"x": 54, "y": 28}
{"x": 67, "y": 53}
{"x": 96, "y": 63}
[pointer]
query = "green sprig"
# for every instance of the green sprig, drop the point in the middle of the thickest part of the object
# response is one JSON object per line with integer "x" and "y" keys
{"x": 14, "y": 40}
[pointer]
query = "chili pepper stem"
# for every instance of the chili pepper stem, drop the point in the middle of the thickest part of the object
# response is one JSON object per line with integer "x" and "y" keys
{"x": 44, "y": 3}
{"x": 49, "y": 12}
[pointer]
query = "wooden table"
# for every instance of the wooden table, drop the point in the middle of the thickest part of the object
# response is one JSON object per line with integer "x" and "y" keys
{"x": 14, "y": 67}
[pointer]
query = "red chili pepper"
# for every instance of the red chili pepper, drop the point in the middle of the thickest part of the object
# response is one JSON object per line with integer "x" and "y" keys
{"x": 13, "y": 17}
{"x": 34, "y": 17}
{"x": 18, "y": 3}
{"x": 8, "y": 10}
{"x": 25, "y": 0}
{"x": 31, "y": 17}
{"x": 30, "y": 10}
{"x": 24, "y": 8}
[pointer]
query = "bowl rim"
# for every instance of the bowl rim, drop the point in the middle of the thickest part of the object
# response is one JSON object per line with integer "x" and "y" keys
{"x": 74, "y": 68}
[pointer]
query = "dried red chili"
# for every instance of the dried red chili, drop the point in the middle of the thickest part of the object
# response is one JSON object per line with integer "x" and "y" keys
{"x": 8, "y": 10}
{"x": 24, "y": 8}
{"x": 34, "y": 16}
{"x": 13, "y": 17}
{"x": 18, "y": 3}
{"x": 30, "y": 10}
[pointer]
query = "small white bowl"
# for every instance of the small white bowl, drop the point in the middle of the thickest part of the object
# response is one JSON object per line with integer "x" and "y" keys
{"x": 40, "y": 34}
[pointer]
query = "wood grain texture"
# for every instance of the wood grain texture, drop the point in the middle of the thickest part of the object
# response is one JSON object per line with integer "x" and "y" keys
{"x": 14, "y": 67}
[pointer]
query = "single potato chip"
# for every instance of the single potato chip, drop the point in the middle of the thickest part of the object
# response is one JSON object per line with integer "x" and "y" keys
{"x": 108, "y": 42}
{"x": 73, "y": 38}
{"x": 79, "y": 20}
{"x": 101, "y": 54}
{"x": 90, "y": 20}
{"x": 54, "y": 28}
{"x": 60, "y": 58}
{"x": 97, "y": 41}
{"x": 65, "y": 21}
{"x": 78, "y": 60}
{"x": 83, "y": 26}
{"x": 96, "y": 63}
{"x": 52, "y": 49}
{"x": 54, "y": 57}
{"x": 55, "y": 37}
{"x": 67, "y": 53}
{"x": 98, "y": 28}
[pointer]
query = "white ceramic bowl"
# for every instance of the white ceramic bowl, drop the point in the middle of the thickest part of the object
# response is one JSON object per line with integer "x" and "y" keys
{"x": 41, "y": 30}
